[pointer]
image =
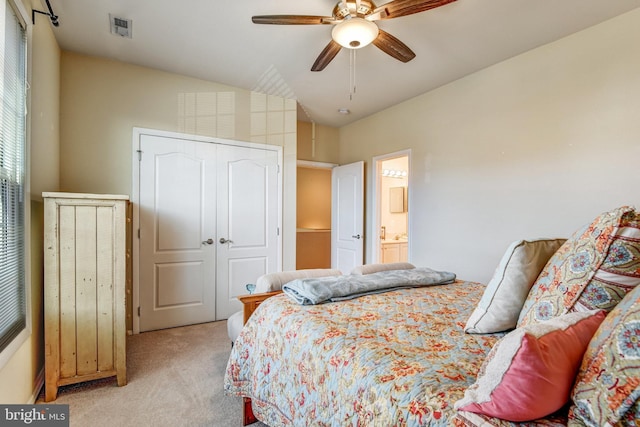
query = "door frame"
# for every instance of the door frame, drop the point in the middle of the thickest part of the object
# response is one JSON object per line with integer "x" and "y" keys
{"x": 376, "y": 170}
{"x": 135, "y": 200}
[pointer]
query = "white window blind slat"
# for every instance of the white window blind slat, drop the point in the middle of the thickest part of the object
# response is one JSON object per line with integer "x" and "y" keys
{"x": 12, "y": 175}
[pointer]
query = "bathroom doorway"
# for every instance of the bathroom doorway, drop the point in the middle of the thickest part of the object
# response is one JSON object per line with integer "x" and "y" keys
{"x": 391, "y": 201}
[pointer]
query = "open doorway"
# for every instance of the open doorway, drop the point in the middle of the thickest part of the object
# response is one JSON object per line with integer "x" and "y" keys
{"x": 330, "y": 215}
{"x": 313, "y": 215}
{"x": 391, "y": 201}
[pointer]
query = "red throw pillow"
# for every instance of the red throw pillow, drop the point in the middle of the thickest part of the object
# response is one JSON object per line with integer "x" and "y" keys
{"x": 529, "y": 373}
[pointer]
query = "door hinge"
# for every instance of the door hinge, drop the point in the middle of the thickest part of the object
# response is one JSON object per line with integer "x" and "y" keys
{"x": 138, "y": 233}
{"x": 138, "y": 311}
{"x": 278, "y": 168}
{"x": 139, "y": 155}
{"x": 278, "y": 231}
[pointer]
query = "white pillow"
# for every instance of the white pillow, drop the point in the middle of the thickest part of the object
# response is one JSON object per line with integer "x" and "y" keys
{"x": 500, "y": 306}
{"x": 376, "y": 268}
{"x": 273, "y": 281}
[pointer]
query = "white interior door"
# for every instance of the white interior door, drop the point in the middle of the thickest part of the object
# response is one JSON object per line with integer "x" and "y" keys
{"x": 347, "y": 216}
{"x": 209, "y": 220}
{"x": 177, "y": 215}
{"x": 247, "y": 224}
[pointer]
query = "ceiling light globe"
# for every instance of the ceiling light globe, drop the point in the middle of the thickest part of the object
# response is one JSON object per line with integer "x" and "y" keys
{"x": 354, "y": 33}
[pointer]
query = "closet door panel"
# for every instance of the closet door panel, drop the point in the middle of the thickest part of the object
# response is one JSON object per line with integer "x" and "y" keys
{"x": 177, "y": 219}
{"x": 247, "y": 225}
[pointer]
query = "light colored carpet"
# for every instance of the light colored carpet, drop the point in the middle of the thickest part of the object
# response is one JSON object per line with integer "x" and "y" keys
{"x": 175, "y": 378}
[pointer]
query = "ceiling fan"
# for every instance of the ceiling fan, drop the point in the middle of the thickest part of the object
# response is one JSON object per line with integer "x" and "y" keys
{"x": 354, "y": 26}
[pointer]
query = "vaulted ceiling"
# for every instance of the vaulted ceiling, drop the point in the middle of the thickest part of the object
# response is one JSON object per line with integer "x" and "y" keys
{"x": 217, "y": 41}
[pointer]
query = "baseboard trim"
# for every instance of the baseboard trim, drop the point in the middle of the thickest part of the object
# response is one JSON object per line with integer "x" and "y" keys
{"x": 39, "y": 383}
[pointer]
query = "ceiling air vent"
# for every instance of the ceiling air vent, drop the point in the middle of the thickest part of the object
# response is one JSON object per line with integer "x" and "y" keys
{"x": 120, "y": 26}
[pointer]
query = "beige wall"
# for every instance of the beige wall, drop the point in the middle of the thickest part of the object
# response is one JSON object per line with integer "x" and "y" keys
{"x": 45, "y": 106}
{"x": 534, "y": 146}
{"x": 313, "y": 249}
{"x": 21, "y": 377}
{"x": 314, "y": 198}
{"x": 321, "y": 147}
{"x": 103, "y": 100}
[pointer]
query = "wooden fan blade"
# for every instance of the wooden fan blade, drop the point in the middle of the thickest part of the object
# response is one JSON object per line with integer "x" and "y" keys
{"x": 292, "y": 19}
{"x": 394, "y": 47}
{"x": 397, "y": 8}
{"x": 326, "y": 56}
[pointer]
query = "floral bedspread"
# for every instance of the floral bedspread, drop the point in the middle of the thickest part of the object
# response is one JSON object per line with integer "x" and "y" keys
{"x": 399, "y": 358}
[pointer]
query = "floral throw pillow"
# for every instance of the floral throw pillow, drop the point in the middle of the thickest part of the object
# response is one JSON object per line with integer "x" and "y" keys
{"x": 607, "y": 388}
{"x": 620, "y": 270}
{"x": 594, "y": 269}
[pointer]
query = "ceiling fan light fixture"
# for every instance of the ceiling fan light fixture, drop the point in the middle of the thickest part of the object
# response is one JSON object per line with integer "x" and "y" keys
{"x": 354, "y": 33}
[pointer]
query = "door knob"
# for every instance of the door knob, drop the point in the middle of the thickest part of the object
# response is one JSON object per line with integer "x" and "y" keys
{"x": 357, "y": 236}
{"x": 209, "y": 241}
{"x": 223, "y": 240}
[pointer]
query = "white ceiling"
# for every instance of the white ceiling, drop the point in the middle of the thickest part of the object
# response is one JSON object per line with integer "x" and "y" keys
{"x": 215, "y": 40}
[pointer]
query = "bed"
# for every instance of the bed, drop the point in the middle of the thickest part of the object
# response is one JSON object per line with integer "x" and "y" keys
{"x": 403, "y": 358}
{"x": 397, "y": 358}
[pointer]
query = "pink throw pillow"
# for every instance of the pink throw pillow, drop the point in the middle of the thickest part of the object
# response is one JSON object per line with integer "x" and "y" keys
{"x": 529, "y": 373}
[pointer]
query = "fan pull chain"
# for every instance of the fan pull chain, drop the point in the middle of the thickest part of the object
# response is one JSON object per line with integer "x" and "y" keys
{"x": 352, "y": 73}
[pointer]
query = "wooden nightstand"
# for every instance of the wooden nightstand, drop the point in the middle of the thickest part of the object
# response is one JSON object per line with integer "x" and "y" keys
{"x": 250, "y": 303}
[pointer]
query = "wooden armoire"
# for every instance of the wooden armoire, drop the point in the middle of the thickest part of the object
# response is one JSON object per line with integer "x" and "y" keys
{"x": 84, "y": 295}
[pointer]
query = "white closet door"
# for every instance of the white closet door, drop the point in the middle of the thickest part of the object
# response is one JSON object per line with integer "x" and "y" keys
{"x": 209, "y": 217}
{"x": 247, "y": 225}
{"x": 177, "y": 217}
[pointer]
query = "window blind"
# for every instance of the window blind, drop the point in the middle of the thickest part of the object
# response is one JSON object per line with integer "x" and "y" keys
{"x": 12, "y": 175}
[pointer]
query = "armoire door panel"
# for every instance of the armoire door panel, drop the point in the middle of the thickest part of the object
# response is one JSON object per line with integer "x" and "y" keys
{"x": 67, "y": 289}
{"x": 105, "y": 282}
{"x": 86, "y": 279}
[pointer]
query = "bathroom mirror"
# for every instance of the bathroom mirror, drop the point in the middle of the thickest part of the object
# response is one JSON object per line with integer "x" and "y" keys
{"x": 397, "y": 200}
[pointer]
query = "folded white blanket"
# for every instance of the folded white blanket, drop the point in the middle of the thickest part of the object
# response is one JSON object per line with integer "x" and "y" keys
{"x": 324, "y": 289}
